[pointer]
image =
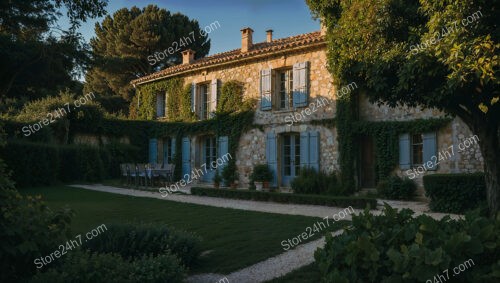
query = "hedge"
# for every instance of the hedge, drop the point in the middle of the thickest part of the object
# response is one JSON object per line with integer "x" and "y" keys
{"x": 356, "y": 202}
{"x": 455, "y": 193}
{"x": 38, "y": 164}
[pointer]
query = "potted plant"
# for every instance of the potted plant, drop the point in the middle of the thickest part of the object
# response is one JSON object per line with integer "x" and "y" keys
{"x": 217, "y": 180}
{"x": 230, "y": 175}
{"x": 261, "y": 176}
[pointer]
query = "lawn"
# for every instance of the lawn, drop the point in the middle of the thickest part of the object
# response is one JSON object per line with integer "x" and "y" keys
{"x": 236, "y": 238}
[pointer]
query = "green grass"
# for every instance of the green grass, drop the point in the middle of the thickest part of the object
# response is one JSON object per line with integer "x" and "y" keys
{"x": 306, "y": 274}
{"x": 237, "y": 238}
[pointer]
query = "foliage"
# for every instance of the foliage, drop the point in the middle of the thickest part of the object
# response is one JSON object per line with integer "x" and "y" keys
{"x": 309, "y": 181}
{"x": 127, "y": 45}
{"x": 28, "y": 229}
{"x": 229, "y": 173}
{"x": 217, "y": 178}
{"x": 397, "y": 188}
{"x": 396, "y": 247}
{"x": 231, "y": 97}
{"x": 83, "y": 267}
{"x": 178, "y": 100}
{"x": 132, "y": 241}
{"x": 261, "y": 173}
{"x": 35, "y": 61}
{"x": 357, "y": 202}
{"x": 36, "y": 164}
{"x": 455, "y": 193}
{"x": 374, "y": 45}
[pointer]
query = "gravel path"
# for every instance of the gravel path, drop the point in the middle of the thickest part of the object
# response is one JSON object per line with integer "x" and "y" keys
{"x": 283, "y": 263}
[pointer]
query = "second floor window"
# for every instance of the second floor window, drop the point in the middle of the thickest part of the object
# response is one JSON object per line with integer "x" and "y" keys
{"x": 204, "y": 101}
{"x": 284, "y": 89}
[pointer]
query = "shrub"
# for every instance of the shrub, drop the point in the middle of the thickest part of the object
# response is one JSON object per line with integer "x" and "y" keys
{"x": 395, "y": 247}
{"x": 310, "y": 181}
{"x": 397, "y": 188}
{"x": 229, "y": 173}
{"x": 28, "y": 230}
{"x": 455, "y": 193}
{"x": 137, "y": 240}
{"x": 357, "y": 202}
{"x": 82, "y": 267}
{"x": 261, "y": 173}
{"x": 231, "y": 97}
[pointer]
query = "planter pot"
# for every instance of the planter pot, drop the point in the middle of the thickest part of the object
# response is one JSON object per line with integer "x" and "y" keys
{"x": 234, "y": 185}
{"x": 266, "y": 184}
{"x": 216, "y": 185}
{"x": 258, "y": 186}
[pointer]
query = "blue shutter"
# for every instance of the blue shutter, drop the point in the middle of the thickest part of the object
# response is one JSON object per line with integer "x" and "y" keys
{"x": 314, "y": 150}
{"x": 193, "y": 97}
{"x": 430, "y": 150}
{"x": 223, "y": 150}
{"x": 172, "y": 149}
{"x": 300, "y": 84}
{"x": 265, "y": 90}
{"x": 271, "y": 156}
{"x": 304, "y": 149}
{"x": 153, "y": 150}
{"x": 213, "y": 95}
{"x": 404, "y": 152}
{"x": 186, "y": 157}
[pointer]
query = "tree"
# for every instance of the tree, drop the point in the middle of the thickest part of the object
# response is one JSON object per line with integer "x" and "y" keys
{"x": 39, "y": 58}
{"x": 436, "y": 54}
{"x": 133, "y": 43}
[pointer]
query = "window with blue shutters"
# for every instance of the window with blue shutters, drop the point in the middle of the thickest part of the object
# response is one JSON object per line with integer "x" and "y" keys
{"x": 272, "y": 157}
{"x": 265, "y": 90}
{"x": 417, "y": 149}
{"x": 300, "y": 84}
{"x": 429, "y": 150}
{"x": 153, "y": 151}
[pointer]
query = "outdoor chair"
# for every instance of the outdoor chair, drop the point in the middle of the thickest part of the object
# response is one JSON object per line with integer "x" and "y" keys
{"x": 124, "y": 173}
{"x": 142, "y": 174}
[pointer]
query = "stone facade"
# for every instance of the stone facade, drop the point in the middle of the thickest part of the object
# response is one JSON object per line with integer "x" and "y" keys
{"x": 321, "y": 105}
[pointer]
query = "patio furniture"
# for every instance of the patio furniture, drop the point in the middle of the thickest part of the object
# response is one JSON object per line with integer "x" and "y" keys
{"x": 131, "y": 172}
{"x": 141, "y": 174}
{"x": 124, "y": 173}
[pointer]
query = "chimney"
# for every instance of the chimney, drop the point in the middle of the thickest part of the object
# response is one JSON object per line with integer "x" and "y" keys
{"x": 269, "y": 36}
{"x": 246, "y": 39}
{"x": 323, "y": 27}
{"x": 187, "y": 56}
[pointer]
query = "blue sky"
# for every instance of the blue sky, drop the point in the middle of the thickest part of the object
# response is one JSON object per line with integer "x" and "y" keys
{"x": 285, "y": 17}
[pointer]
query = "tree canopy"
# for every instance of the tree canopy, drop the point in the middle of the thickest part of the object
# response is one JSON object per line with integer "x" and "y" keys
{"x": 437, "y": 54}
{"x": 126, "y": 40}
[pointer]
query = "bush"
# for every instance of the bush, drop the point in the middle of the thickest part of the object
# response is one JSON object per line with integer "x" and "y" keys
{"x": 137, "y": 240}
{"x": 231, "y": 97}
{"x": 397, "y": 188}
{"x": 82, "y": 267}
{"x": 395, "y": 247}
{"x": 261, "y": 173}
{"x": 311, "y": 182}
{"x": 28, "y": 230}
{"x": 357, "y": 202}
{"x": 455, "y": 193}
{"x": 37, "y": 164}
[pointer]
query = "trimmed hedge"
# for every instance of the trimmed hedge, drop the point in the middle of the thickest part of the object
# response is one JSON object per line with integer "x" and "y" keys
{"x": 356, "y": 202}
{"x": 137, "y": 240}
{"x": 397, "y": 188}
{"x": 38, "y": 164}
{"x": 455, "y": 193}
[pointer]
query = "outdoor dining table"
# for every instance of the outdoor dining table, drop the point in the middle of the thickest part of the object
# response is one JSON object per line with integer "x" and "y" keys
{"x": 164, "y": 172}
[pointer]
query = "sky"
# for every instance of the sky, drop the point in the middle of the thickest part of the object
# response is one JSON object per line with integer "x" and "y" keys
{"x": 285, "y": 17}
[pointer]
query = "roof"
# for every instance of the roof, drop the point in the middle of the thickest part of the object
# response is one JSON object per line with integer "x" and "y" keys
{"x": 258, "y": 50}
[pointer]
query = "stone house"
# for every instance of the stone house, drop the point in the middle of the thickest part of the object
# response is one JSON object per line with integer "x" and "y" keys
{"x": 289, "y": 79}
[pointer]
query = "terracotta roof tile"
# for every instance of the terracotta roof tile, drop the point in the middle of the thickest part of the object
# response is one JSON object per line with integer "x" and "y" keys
{"x": 282, "y": 44}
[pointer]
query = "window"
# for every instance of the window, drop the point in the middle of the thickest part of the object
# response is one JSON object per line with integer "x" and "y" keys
{"x": 210, "y": 151}
{"x": 204, "y": 98}
{"x": 160, "y": 105}
{"x": 284, "y": 87}
{"x": 417, "y": 149}
{"x": 167, "y": 151}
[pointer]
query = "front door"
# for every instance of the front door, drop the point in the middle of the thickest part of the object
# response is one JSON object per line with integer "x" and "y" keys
{"x": 367, "y": 162}
{"x": 209, "y": 158}
{"x": 290, "y": 158}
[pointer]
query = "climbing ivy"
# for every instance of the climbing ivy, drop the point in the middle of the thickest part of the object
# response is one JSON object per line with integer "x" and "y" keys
{"x": 385, "y": 135}
{"x": 178, "y": 100}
